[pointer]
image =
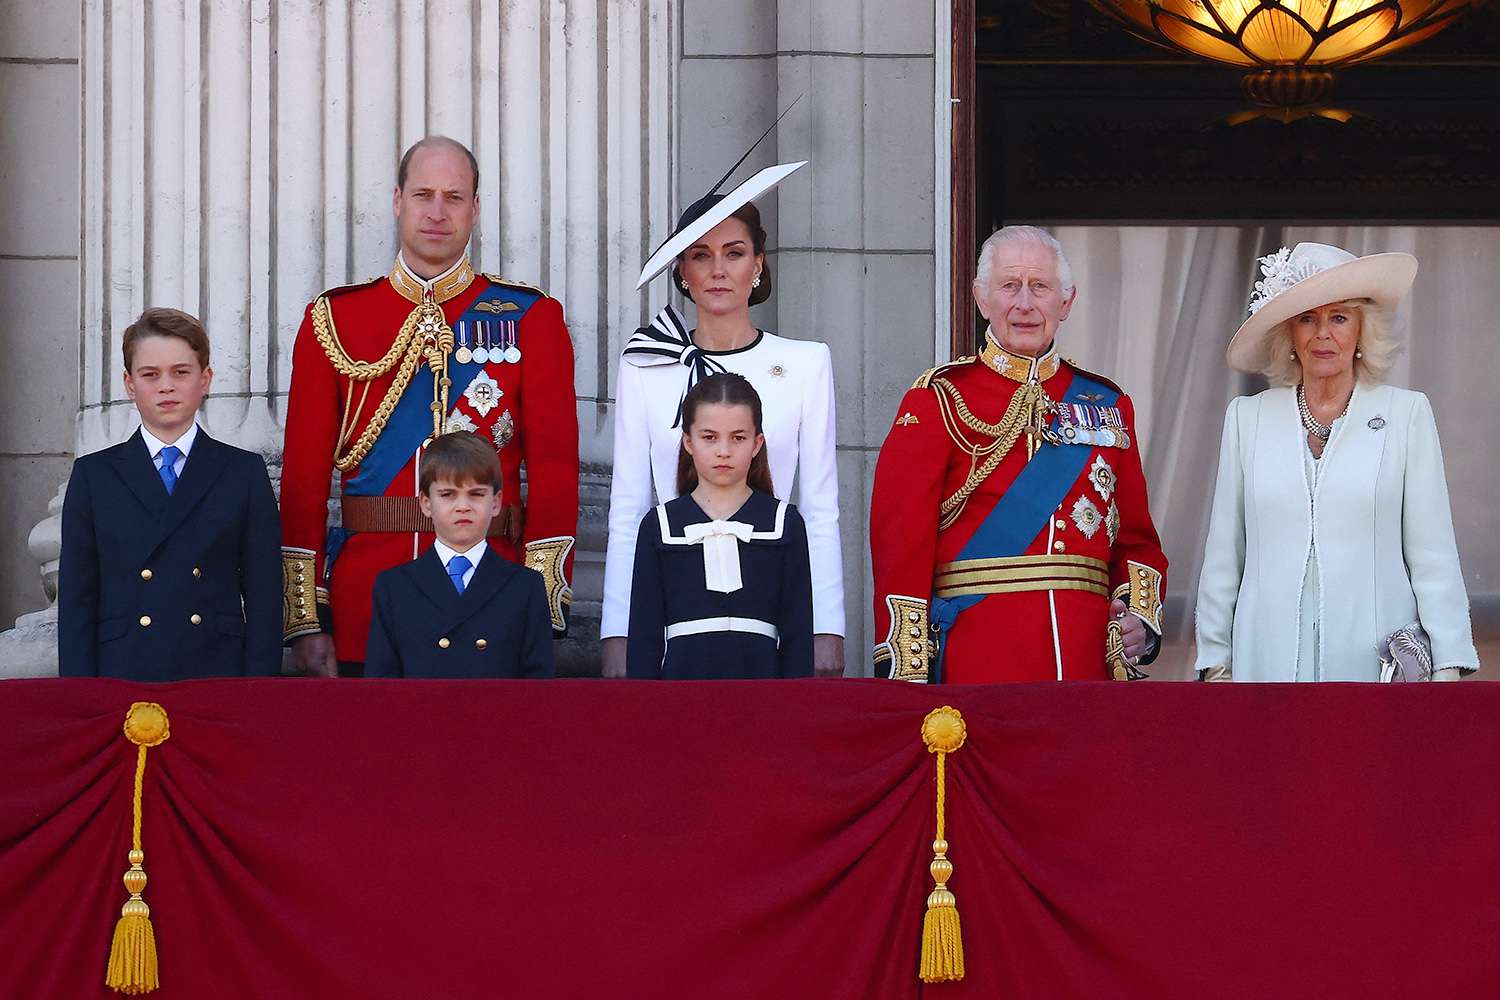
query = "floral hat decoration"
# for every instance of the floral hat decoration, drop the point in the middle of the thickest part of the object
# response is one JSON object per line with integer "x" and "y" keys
{"x": 1310, "y": 275}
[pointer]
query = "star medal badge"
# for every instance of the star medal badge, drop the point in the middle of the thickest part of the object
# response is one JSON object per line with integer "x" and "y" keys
{"x": 458, "y": 420}
{"x": 482, "y": 342}
{"x": 463, "y": 355}
{"x": 503, "y": 430}
{"x": 483, "y": 393}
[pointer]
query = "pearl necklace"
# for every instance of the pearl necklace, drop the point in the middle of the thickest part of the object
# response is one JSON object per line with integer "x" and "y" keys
{"x": 1310, "y": 423}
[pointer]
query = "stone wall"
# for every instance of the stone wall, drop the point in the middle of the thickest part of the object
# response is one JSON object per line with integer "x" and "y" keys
{"x": 39, "y": 128}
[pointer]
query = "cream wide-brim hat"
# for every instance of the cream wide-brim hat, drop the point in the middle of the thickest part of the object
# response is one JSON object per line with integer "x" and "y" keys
{"x": 1306, "y": 277}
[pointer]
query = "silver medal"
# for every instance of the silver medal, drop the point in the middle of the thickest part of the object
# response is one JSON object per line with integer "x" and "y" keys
{"x": 513, "y": 354}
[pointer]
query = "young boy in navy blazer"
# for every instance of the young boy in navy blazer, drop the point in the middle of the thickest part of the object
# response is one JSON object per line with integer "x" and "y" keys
{"x": 171, "y": 561}
{"x": 460, "y": 609}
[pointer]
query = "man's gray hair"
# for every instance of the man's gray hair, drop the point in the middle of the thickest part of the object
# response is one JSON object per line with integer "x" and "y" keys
{"x": 1023, "y": 234}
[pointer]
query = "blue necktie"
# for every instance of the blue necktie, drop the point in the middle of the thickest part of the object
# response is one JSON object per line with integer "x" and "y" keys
{"x": 457, "y": 567}
{"x": 169, "y": 456}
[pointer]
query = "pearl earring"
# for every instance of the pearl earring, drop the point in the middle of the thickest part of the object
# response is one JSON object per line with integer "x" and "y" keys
{"x": 1358, "y": 353}
{"x": 684, "y": 284}
{"x": 1294, "y": 354}
{"x": 755, "y": 283}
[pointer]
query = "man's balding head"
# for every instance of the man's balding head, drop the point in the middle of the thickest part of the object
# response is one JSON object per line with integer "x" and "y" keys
{"x": 437, "y": 142}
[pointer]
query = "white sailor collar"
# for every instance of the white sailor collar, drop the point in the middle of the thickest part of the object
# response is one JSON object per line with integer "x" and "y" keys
{"x": 765, "y": 514}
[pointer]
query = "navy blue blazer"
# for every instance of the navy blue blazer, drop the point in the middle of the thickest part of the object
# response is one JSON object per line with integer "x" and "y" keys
{"x": 153, "y": 587}
{"x": 420, "y": 626}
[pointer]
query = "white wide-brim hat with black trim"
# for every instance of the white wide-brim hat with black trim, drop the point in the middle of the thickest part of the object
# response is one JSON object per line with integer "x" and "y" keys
{"x": 706, "y": 213}
{"x": 1310, "y": 275}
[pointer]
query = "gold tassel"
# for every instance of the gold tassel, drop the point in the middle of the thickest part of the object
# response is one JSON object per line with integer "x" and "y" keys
{"x": 942, "y": 938}
{"x": 132, "y": 953}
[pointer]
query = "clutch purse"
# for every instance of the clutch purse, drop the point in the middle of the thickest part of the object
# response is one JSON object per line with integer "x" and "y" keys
{"x": 1406, "y": 655}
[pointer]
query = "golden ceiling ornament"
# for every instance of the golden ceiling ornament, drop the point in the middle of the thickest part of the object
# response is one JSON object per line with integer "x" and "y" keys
{"x": 1288, "y": 47}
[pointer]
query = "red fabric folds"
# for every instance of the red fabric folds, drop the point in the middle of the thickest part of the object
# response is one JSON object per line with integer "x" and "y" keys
{"x": 399, "y": 839}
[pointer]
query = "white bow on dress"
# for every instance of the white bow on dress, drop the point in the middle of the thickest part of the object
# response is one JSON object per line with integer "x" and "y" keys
{"x": 721, "y": 551}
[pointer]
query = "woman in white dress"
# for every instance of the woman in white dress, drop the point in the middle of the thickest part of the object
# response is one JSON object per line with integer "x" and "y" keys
{"x": 717, "y": 256}
{"x": 1330, "y": 553}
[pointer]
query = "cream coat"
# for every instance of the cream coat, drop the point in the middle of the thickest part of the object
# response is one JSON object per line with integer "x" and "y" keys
{"x": 1386, "y": 551}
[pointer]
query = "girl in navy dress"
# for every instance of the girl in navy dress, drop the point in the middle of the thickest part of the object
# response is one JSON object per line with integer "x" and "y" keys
{"x": 722, "y": 587}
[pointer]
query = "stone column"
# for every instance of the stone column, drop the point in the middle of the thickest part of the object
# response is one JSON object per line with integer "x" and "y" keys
{"x": 239, "y": 157}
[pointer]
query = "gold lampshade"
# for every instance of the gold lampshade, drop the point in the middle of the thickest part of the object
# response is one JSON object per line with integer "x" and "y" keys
{"x": 1290, "y": 45}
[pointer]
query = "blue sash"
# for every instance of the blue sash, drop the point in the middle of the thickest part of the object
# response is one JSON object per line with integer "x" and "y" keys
{"x": 1024, "y": 510}
{"x": 411, "y": 421}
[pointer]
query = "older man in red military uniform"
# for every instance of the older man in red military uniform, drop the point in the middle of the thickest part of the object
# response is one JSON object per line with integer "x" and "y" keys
{"x": 377, "y": 371}
{"x": 1009, "y": 527}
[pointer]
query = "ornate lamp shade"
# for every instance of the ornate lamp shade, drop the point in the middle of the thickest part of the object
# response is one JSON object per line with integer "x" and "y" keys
{"x": 1289, "y": 46}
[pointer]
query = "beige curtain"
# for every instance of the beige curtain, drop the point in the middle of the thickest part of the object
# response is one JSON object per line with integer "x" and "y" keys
{"x": 1156, "y": 307}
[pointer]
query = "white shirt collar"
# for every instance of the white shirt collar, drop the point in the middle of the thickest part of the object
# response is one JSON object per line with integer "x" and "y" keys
{"x": 446, "y": 554}
{"x": 427, "y": 283}
{"x": 184, "y": 444}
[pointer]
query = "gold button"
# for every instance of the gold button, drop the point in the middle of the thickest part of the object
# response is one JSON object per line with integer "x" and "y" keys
{"x": 915, "y": 632}
{"x": 196, "y": 619}
{"x": 1059, "y": 523}
{"x": 912, "y": 616}
{"x": 1142, "y": 574}
{"x": 1058, "y": 546}
{"x": 145, "y": 574}
{"x": 145, "y": 620}
{"x": 916, "y": 647}
{"x": 917, "y": 662}
{"x": 443, "y": 643}
{"x": 480, "y": 644}
{"x": 197, "y": 572}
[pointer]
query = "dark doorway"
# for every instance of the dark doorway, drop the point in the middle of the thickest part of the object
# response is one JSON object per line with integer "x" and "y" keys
{"x": 1062, "y": 116}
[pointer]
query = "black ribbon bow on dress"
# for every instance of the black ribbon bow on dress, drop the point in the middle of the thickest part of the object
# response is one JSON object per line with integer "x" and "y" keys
{"x": 667, "y": 341}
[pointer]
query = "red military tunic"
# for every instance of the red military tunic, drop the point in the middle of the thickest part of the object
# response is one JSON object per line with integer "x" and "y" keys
{"x": 1044, "y": 612}
{"x": 342, "y": 412}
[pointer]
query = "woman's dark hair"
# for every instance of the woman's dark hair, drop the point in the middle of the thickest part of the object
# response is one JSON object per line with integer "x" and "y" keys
{"x": 725, "y": 389}
{"x": 750, "y": 216}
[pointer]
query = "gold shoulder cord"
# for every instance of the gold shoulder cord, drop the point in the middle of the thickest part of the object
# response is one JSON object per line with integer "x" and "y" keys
{"x": 1026, "y": 410}
{"x": 407, "y": 352}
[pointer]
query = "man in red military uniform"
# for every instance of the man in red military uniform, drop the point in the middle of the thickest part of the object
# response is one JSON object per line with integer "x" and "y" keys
{"x": 1009, "y": 527}
{"x": 381, "y": 368}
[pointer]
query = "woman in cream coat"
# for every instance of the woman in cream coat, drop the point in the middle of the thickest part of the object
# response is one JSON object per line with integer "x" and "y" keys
{"x": 1331, "y": 528}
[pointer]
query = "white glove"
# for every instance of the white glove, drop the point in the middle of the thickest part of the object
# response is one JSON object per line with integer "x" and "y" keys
{"x": 1446, "y": 674}
{"x": 1217, "y": 673}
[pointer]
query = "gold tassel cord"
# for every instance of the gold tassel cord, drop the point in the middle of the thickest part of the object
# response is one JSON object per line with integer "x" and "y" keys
{"x": 943, "y": 732}
{"x": 132, "y": 953}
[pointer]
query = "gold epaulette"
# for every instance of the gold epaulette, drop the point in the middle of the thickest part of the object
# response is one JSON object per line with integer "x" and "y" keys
{"x": 924, "y": 380}
{"x": 495, "y": 279}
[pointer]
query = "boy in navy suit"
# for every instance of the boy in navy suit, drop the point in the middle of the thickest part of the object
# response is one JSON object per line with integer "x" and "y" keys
{"x": 460, "y": 609}
{"x": 171, "y": 562}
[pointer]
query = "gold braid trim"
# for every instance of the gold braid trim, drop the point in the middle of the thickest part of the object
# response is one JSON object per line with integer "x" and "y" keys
{"x": 1145, "y": 593}
{"x": 549, "y": 556}
{"x": 299, "y": 594}
{"x": 1027, "y": 409}
{"x": 359, "y": 371}
{"x": 408, "y": 351}
{"x": 907, "y": 647}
